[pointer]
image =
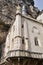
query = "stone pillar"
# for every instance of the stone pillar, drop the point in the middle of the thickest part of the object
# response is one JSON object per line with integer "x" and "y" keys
{"x": 24, "y": 13}
{"x": 26, "y": 34}
{"x": 18, "y": 36}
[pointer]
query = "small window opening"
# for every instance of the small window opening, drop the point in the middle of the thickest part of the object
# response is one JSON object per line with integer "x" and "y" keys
{"x": 22, "y": 40}
{"x": 36, "y": 41}
{"x": 22, "y": 26}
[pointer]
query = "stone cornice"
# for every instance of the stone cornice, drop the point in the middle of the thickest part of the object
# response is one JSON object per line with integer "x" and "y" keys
{"x": 29, "y": 18}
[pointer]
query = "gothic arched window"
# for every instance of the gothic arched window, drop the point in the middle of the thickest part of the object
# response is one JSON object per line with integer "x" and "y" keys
{"x": 35, "y": 30}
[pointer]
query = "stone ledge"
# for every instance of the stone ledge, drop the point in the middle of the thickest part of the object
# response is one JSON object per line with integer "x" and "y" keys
{"x": 23, "y": 53}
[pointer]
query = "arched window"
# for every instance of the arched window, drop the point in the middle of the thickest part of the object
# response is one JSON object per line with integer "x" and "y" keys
{"x": 35, "y": 30}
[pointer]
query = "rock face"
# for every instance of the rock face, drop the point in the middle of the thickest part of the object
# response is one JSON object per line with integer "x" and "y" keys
{"x": 8, "y": 11}
{"x": 3, "y": 32}
{"x": 7, "y": 14}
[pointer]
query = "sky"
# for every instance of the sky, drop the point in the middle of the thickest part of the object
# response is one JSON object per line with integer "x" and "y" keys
{"x": 39, "y": 4}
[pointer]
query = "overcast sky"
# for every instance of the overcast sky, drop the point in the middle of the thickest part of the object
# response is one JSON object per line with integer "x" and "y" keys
{"x": 39, "y": 4}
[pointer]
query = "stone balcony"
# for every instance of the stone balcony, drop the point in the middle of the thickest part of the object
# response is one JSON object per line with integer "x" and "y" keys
{"x": 23, "y": 53}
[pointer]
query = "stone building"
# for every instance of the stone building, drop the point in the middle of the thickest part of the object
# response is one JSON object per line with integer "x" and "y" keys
{"x": 40, "y": 17}
{"x": 23, "y": 39}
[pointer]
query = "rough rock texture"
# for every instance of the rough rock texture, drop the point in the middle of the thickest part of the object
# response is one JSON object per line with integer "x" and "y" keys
{"x": 3, "y": 32}
{"x": 7, "y": 11}
{"x": 7, "y": 14}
